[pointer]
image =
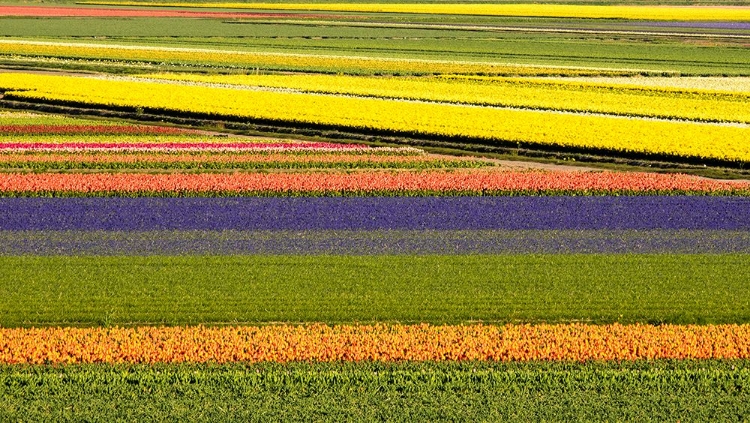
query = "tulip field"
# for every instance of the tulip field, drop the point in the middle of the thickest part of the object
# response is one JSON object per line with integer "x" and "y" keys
{"x": 374, "y": 211}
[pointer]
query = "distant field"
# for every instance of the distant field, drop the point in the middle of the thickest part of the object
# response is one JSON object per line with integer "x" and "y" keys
{"x": 667, "y": 53}
{"x": 571, "y": 2}
{"x": 526, "y": 10}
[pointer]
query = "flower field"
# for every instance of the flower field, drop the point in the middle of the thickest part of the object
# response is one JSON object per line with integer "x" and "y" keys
{"x": 278, "y": 61}
{"x": 130, "y": 13}
{"x": 547, "y": 94}
{"x": 615, "y": 134}
{"x": 400, "y": 212}
{"x": 530, "y": 10}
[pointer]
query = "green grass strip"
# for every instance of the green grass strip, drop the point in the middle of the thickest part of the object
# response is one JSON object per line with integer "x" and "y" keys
{"x": 640, "y": 391}
{"x": 689, "y": 288}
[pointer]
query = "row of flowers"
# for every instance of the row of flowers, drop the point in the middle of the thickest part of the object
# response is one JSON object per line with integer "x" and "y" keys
{"x": 44, "y": 129}
{"x": 546, "y": 94}
{"x": 142, "y": 13}
{"x": 281, "y": 60}
{"x": 319, "y": 342}
{"x": 178, "y": 146}
{"x": 269, "y": 159}
{"x": 477, "y": 182}
{"x": 539, "y": 129}
{"x": 706, "y": 13}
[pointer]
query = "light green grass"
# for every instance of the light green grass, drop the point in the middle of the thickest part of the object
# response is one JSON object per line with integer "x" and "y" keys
{"x": 41, "y": 291}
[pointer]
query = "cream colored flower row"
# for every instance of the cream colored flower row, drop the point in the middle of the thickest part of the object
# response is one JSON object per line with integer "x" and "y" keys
{"x": 512, "y": 92}
{"x": 537, "y": 127}
{"x": 731, "y": 84}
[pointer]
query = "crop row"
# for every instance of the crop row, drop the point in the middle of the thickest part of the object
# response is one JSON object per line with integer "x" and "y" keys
{"x": 317, "y": 342}
{"x": 91, "y": 139}
{"x": 467, "y": 182}
{"x": 527, "y": 10}
{"x": 62, "y": 143}
{"x": 588, "y": 132}
{"x": 382, "y": 213}
{"x": 223, "y": 160}
{"x": 49, "y": 291}
{"x": 135, "y": 13}
{"x": 696, "y": 390}
{"x": 185, "y": 145}
{"x": 535, "y": 94}
{"x": 727, "y": 84}
{"x": 368, "y": 242}
{"x": 15, "y": 129}
{"x": 281, "y": 61}
{"x": 28, "y": 119}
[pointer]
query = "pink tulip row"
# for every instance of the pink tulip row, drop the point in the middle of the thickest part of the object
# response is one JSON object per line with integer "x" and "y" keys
{"x": 177, "y": 146}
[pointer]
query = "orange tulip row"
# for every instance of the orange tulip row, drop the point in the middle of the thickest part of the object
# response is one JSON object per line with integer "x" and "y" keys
{"x": 478, "y": 181}
{"x": 319, "y": 342}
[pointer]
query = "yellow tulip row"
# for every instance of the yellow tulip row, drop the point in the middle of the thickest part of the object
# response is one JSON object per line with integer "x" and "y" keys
{"x": 689, "y": 139}
{"x": 526, "y": 10}
{"x": 513, "y": 92}
{"x": 280, "y": 61}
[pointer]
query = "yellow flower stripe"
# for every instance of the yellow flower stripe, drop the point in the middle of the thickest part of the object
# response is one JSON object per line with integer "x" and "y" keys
{"x": 281, "y": 61}
{"x": 669, "y": 13}
{"x": 544, "y": 94}
{"x": 725, "y": 142}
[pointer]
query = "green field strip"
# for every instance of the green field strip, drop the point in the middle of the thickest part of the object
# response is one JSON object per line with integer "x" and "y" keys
{"x": 639, "y": 391}
{"x": 51, "y": 291}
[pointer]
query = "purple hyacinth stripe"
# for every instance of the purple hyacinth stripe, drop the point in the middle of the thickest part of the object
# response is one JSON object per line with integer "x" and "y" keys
{"x": 376, "y": 213}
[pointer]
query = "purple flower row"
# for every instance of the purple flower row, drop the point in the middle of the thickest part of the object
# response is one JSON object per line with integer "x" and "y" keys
{"x": 377, "y": 213}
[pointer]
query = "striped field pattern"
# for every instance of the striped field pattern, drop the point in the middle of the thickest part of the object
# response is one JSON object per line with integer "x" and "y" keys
{"x": 374, "y": 212}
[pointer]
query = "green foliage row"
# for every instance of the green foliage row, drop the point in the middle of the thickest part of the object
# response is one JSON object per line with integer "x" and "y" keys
{"x": 638, "y": 391}
{"x": 596, "y": 288}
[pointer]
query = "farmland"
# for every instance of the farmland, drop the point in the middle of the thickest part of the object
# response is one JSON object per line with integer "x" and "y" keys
{"x": 374, "y": 212}
{"x": 376, "y": 391}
